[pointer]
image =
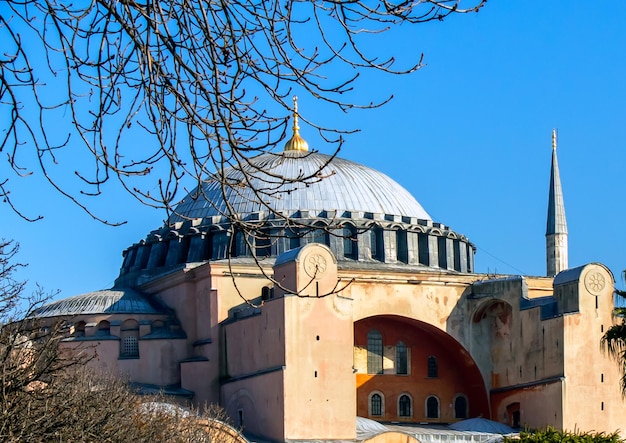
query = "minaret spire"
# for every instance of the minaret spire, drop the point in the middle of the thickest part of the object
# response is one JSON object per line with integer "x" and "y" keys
{"x": 556, "y": 228}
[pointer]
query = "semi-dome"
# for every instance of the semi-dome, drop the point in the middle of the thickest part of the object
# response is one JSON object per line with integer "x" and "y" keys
{"x": 294, "y": 181}
{"x": 107, "y": 301}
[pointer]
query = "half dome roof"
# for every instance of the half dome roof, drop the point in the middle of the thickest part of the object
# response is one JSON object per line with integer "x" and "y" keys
{"x": 289, "y": 182}
{"x": 107, "y": 301}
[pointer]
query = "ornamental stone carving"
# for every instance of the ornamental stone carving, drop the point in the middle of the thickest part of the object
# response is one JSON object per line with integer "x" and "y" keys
{"x": 595, "y": 282}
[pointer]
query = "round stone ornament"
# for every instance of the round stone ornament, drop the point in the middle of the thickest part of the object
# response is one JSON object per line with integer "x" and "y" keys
{"x": 315, "y": 265}
{"x": 595, "y": 282}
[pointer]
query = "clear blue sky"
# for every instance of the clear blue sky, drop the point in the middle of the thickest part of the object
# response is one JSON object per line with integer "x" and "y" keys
{"x": 469, "y": 135}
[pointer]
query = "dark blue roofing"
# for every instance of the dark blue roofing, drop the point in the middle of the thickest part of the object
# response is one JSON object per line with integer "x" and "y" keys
{"x": 342, "y": 185}
{"x": 107, "y": 301}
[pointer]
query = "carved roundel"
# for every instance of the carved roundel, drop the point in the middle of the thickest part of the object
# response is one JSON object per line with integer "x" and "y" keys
{"x": 315, "y": 265}
{"x": 595, "y": 282}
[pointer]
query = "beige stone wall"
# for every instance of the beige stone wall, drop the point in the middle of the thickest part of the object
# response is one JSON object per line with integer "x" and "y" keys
{"x": 540, "y": 405}
{"x": 319, "y": 376}
{"x": 256, "y": 342}
{"x": 259, "y": 401}
{"x": 592, "y": 399}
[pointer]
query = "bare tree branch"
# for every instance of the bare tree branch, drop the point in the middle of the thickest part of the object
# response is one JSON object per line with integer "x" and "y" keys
{"x": 154, "y": 92}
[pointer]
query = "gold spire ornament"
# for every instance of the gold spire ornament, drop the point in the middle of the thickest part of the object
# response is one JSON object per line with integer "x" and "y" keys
{"x": 296, "y": 143}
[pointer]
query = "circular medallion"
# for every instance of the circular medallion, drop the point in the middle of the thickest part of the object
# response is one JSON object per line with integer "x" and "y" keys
{"x": 315, "y": 265}
{"x": 595, "y": 282}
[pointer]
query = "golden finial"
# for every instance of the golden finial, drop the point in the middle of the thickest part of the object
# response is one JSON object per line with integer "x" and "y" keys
{"x": 296, "y": 143}
{"x": 554, "y": 139}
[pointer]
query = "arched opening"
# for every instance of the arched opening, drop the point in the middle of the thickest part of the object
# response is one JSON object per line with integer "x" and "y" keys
{"x": 78, "y": 330}
{"x": 382, "y": 345}
{"x": 263, "y": 243}
{"x": 513, "y": 412}
{"x": 104, "y": 328}
{"x": 376, "y": 404}
{"x": 350, "y": 249}
{"x": 377, "y": 245}
{"x": 433, "y": 367}
{"x": 402, "y": 246}
{"x": 460, "y": 407}
{"x": 405, "y": 406}
{"x": 432, "y": 407}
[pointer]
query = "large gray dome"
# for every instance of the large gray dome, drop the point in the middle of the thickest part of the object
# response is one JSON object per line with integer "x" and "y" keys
{"x": 362, "y": 215}
{"x": 345, "y": 186}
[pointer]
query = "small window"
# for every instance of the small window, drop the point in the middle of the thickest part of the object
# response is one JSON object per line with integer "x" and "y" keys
{"x": 376, "y": 405}
{"x": 104, "y": 328}
{"x": 79, "y": 329}
{"x": 401, "y": 359}
{"x": 240, "y": 418}
{"x": 404, "y": 406}
{"x": 263, "y": 240}
{"x": 320, "y": 235}
{"x": 350, "y": 243}
{"x": 402, "y": 247}
{"x": 129, "y": 332}
{"x": 432, "y": 407}
{"x": 460, "y": 407}
{"x": 157, "y": 325}
{"x": 265, "y": 293}
{"x": 433, "y": 369}
{"x": 374, "y": 352}
{"x": 377, "y": 243}
{"x": 293, "y": 238}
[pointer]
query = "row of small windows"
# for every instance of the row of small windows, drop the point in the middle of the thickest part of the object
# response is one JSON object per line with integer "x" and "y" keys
{"x": 447, "y": 253}
{"x": 375, "y": 357}
{"x": 129, "y": 334}
{"x": 405, "y": 406}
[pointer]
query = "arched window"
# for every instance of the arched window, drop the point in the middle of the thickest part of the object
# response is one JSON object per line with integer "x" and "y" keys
{"x": 79, "y": 329}
{"x": 433, "y": 369}
{"x": 266, "y": 293}
{"x": 460, "y": 407}
{"x": 263, "y": 243}
{"x": 104, "y": 328}
{"x": 319, "y": 234}
{"x": 377, "y": 243}
{"x": 401, "y": 359}
{"x": 157, "y": 325}
{"x": 376, "y": 404}
{"x": 432, "y": 407}
{"x": 404, "y": 406}
{"x": 129, "y": 346}
{"x": 374, "y": 352}
{"x": 350, "y": 243}
{"x": 293, "y": 238}
{"x": 402, "y": 247}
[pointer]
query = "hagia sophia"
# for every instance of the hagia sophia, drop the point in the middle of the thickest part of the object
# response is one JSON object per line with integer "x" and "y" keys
{"x": 352, "y": 302}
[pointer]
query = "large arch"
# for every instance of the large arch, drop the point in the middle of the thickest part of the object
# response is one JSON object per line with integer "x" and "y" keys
{"x": 457, "y": 373}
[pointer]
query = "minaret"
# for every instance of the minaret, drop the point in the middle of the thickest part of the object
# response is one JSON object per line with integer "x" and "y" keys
{"x": 556, "y": 229}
